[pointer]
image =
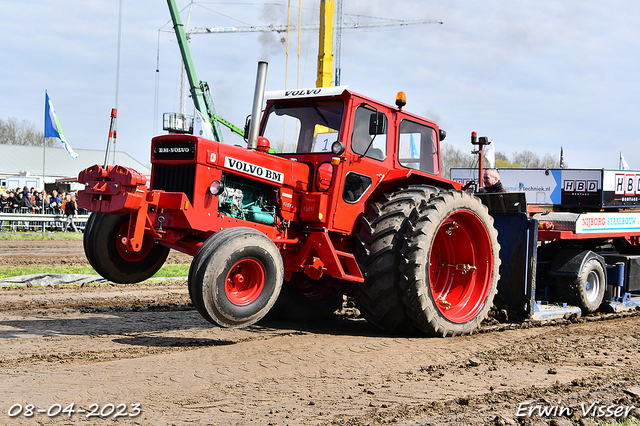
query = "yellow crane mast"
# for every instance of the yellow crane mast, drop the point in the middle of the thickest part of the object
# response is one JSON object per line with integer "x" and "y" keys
{"x": 325, "y": 50}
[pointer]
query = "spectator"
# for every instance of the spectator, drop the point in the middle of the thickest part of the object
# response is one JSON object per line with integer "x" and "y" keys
{"x": 70, "y": 209}
{"x": 25, "y": 202}
{"x": 40, "y": 198}
{"x": 17, "y": 200}
{"x": 11, "y": 200}
{"x": 54, "y": 202}
{"x": 4, "y": 202}
{"x": 492, "y": 182}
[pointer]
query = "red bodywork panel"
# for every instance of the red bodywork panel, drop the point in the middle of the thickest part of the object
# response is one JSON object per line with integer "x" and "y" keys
{"x": 179, "y": 211}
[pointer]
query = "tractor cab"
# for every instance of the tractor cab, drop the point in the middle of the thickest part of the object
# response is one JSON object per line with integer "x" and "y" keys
{"x": 352, "y": 145}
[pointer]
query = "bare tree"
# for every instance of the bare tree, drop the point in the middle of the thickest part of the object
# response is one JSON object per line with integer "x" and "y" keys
{"x": 13, "y": 132}
{"x": 530, "y": 160}
{"x": 454, "y": 157}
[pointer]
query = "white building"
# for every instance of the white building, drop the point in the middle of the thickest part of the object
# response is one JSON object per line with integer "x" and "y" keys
{"x": 23, "y": 166}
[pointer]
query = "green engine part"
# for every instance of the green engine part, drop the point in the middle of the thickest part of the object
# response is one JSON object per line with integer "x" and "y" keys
{"x": 248, "y": 200}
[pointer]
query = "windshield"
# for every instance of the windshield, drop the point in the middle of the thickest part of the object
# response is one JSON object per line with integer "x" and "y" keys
{"x": 303, "y": 126}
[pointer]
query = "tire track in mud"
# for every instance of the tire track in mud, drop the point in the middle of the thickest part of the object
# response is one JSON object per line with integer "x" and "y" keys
{"x": 100, "y": 344}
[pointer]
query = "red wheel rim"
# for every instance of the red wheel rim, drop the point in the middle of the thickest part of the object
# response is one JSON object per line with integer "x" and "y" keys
{"x": 461, "y": 266}
{"x": 130, "y": 255}
{"x": 245, "y": 282}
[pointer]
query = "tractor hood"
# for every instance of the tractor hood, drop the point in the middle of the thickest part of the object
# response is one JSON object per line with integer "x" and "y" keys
{"x": 232, "y": 159}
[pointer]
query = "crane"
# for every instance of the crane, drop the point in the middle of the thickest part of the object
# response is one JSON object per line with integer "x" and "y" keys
{"x": 325, "y": 49}
{"x": 340, "y": 22}
{"x": 325, "y": 55}
{"x": 308, "y": 27}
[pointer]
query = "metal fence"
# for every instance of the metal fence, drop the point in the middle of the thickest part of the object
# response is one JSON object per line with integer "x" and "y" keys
{"x": 13, "y": 222}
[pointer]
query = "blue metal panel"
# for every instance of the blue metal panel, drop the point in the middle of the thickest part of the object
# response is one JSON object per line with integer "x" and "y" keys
{"x": 514, "y": 288}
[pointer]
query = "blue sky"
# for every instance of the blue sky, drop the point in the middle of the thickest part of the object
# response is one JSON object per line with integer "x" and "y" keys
{"x": 531, "y": 75}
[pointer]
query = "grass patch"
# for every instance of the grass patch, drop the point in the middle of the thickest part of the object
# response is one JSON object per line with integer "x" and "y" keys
{"x": 626, "y": 422}
{"x": 14, "y": 271}
{"x": 168, "y": 270}
{"x": 37, "y": 236}
{"x": 173, "y": 270}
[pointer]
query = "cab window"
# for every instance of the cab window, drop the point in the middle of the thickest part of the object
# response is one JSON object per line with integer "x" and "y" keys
{"x": 355, "y": 185}
{"x": 303, "y": 126}
{"x": 365, "y": 131}
{"x": 418, "y": 147}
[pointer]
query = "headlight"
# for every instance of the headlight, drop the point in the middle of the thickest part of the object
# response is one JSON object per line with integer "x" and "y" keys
{"x": 216, "y": 187}
{"x": 337, "y": 147}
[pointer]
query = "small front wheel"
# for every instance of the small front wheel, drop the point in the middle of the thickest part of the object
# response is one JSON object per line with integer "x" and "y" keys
{"x": 235, "y": 282}
{"x": 109, "y": 256}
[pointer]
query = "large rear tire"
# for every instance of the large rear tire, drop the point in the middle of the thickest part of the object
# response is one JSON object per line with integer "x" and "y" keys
{"x": 451, "y": 263}
{"x": 236, "y": 277}
{"x": 109, "y": 256}
{"x": 379, "y": 298}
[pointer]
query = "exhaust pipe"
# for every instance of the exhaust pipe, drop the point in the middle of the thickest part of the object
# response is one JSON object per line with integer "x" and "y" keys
{"x": 258, "y": 99}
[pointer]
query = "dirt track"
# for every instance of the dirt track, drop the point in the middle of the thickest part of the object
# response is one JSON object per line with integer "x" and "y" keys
{"x": 144, "y": 344}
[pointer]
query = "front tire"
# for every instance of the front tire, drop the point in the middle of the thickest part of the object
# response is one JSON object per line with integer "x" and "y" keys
{"x": 450, "y": 264}
{"x": 237, "y": 278}
{"x": 110, "y": 257}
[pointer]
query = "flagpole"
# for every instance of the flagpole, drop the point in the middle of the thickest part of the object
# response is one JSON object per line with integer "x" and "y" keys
{"x": 44, "y": 154}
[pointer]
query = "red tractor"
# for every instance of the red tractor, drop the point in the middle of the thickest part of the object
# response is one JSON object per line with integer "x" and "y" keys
{"x": 353, "y": 202}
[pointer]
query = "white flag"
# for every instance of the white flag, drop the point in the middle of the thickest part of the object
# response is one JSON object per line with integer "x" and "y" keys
{"x": 623, "y": 163}
{"x": 202, "y": 127}
{"x": 490, "y": 153}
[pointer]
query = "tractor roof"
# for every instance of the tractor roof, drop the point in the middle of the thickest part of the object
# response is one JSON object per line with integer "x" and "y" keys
{"x": 339, "y": 91}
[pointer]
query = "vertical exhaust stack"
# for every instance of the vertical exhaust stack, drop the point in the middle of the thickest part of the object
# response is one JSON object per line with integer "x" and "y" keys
{"x": 258, "y": 99}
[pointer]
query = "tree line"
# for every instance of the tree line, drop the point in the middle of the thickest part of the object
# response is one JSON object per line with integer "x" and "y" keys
{"x": 14, "y": 132}
{"x": 456, "y": 158}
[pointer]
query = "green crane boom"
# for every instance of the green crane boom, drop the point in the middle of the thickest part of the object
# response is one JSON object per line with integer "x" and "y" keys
{"x": 199, "y": 89}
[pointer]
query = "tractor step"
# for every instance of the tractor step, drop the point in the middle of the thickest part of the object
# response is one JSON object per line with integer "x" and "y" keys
{"x": 353, "y": 272}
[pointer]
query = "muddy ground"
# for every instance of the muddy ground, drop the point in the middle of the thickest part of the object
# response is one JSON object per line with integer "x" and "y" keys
{"x": 113, "y": 351}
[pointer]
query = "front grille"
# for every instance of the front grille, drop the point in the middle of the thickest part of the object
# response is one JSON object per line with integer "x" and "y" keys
{"x": 175, "y": 178}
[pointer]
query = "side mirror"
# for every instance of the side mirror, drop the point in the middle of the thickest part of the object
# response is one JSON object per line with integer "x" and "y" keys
{"x": 247, "y": 125}
{"x": 324, "y": 177}
{"x": 376, "y": 123}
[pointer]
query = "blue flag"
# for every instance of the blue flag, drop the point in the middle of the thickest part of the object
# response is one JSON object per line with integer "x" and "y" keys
{"x": 52, "y": 126}
{"x": 414, "y": 148}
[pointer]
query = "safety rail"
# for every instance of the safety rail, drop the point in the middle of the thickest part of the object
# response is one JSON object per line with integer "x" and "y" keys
{"x": 13, "y": 222}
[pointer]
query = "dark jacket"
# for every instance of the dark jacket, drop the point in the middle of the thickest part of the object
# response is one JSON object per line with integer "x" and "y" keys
{"x": 496, "y": 187}
{"x": 25, "y": 202}
{"x": 70, "y": 208}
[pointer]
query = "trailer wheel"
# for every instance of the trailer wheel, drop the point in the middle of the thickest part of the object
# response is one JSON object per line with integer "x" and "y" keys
{"x": 304, "y": 299}
{"x": 451, "y": 264}
{"x": 379, "y": 298}
{"x": 237, "y": 278}
{"x": 585, "y": 291}
{"x": 110, "y": 258}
